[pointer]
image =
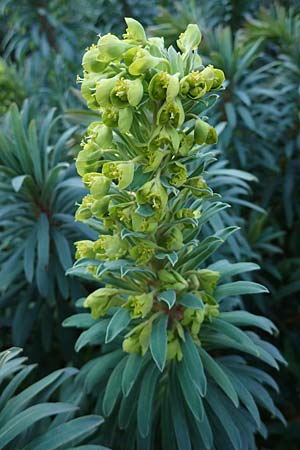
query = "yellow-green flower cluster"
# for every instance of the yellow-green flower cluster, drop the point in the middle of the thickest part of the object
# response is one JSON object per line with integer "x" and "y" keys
{"x": 144, "y": 194}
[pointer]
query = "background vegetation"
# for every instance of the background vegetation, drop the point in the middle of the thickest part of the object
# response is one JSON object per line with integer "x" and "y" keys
{"x": 257, "y": 46}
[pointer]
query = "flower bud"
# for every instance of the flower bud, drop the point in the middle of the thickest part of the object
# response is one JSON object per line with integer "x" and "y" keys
{"x": 184, "y": 213}
{"x": 140, "y": 60}
{"x": 111, "y": 47}
{"x": 110, "y": 247}
{"x": 139, "y": 305}
{"x": 154, "y": 160}
{"x": 110, "y": 117}
{"x": 189, "y": 39}
{"x": 84, "y": 249}
{"x": 98, "y": 184}
{"x": 131, "y": 344}
{"x": 193, "y": 85}
{"x": 100, "y": 207}
{"x": 84, "y": 211}
{"x": 122, "y": 212}
{"x": 178, "y": 173}
{"x": 101, "y": 300}
{"x": 173, "y": 348}
{"x": 205, "y": 133}
{"x": 100, "y": 134}
{"x": 212, "y": 311}
{"x": 143, "y": 252}
{"x": 127, "y": 92}
{"x": 213, "y": 77}
{"x": 103, "y": 90}
{"x": 171, "y": 114}
{"x": 193, "y": 318}
{"x": 160, "y": 140}
{"x": 155, "y": 194}
{"x": 198, "y": 186}
{"x": 211, "y": 305}
{"x": 208, "y": 279}
{"x": 88, "y": 158}
{"x": 138, "y": 339}
{"x": 123, "y": 172}
{"x": 91, "y": 61}
{"x": 88, "y": 89}
{"x": 163, "y": 86}
{"x": 173, "y": 240}
{"x": 186, "y": 143}
{"x": 143, "y": 224}
{"x": 170, "y": 279}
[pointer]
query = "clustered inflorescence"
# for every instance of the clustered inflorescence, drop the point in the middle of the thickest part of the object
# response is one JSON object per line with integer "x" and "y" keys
{"x": 146, "y": 191}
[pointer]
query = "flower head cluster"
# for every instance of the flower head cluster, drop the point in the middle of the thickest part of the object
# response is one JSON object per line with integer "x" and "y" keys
{"x": 141, "y": 163}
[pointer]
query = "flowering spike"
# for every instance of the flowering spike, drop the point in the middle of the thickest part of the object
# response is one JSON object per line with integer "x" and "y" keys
{"x": 144, "y": 169}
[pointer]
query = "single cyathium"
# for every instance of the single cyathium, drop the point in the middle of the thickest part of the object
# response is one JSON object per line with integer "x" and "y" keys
{"x": 161, "y": 309}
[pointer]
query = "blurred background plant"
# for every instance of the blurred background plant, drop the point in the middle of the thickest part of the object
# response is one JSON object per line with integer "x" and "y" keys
{"x": 259, "y": 53}
{"x": 39, "y": 416}
{"x": 256, "y": 43}
{"x": 39, "y": 190}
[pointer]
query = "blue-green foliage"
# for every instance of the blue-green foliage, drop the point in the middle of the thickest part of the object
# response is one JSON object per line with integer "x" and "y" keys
{"x": 39, "y": 189}
{"x": 30, "y": 418}
{"x": 257, "y": 45}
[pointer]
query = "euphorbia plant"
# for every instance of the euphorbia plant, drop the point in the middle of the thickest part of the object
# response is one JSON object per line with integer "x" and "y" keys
{"x": 172, "y": 370}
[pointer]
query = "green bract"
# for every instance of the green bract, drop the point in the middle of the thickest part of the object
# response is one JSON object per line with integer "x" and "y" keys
{"x": 161, "y": 306}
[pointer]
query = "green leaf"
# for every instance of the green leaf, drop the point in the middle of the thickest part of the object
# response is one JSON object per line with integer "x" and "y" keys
{"x": 244, "y": 318}
{"x": 179, "y": 421}
{"x": 239, "y": 288}
{"x": 17, "y": 182}
{"x": 14, "y": 384}
{"x": 172, "y": 257}
{"x": 118, "y": 323}
{"x": 190, "y": 392}
{"x": 158, "y": 341}
{"x": 219, "y": 376}
{"x": 207, "y": 247}
{"x": 211, "y": 210}
{"x": 168, "y": 297}
{"x": 88, "y": 447}
{"x": 127, "y": 409}
{"x": 217, "y": 404}
{"x": 93, "y": 336}
{"x": 227, "y": 269}
{"x": 205, "y": 431}
{"x": 66, "y": 433}
{"x": 244, "y": 395}
{"x": 30, "y": 416}
{"x": 82, "y": 320}
{"x": 145, "y": 401}
{"x": 235, "y": 173}
{"x": 29, "y": 255}
{"x": 194, "y": 364}
{"x": 62, "y": 249}
{"x": 191, "y": 301}
{"x": 21, "y": 400}
{"x": 97, "y": 369}
{"x": 43, "y": 241}
{"x": 145, "y": 210}
{"x": 131, "y": 372}
{"x": 113, "y": 388}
